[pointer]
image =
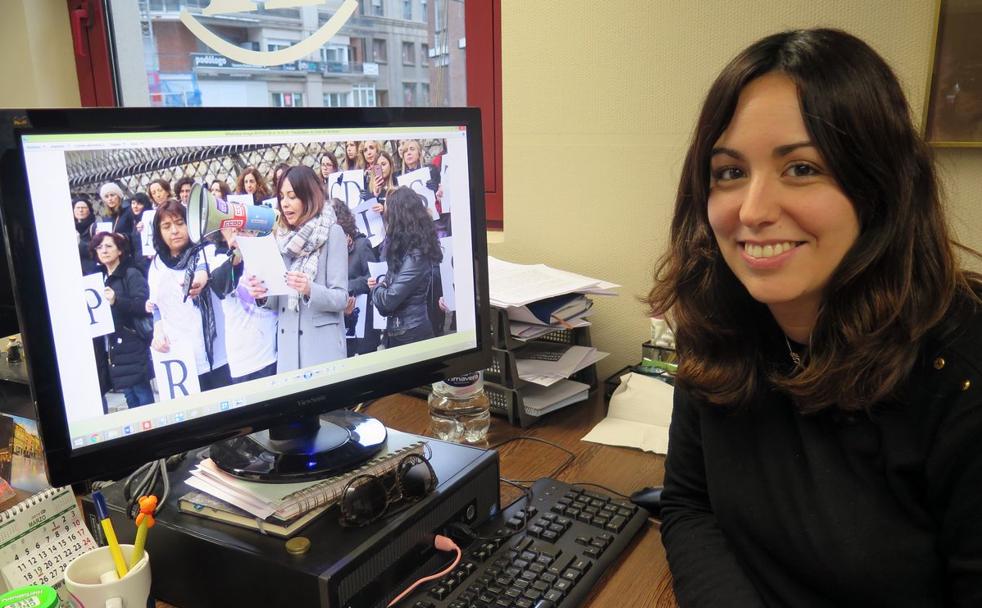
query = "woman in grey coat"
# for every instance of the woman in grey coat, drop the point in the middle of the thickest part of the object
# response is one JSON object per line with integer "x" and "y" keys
{"x": 315, "y": 251}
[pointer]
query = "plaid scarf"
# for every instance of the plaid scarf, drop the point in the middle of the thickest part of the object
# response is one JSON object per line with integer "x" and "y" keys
{"x": 301, "y": 246}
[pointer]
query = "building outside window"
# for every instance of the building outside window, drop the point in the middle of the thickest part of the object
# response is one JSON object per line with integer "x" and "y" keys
{"x": 337, "y": 100}
{"x": 377, "y": 8}
{"x": 409, "y": 94}
{"x": 277, "y": 45}
{"x": 407, "y": 10}
{"x": 424, "y": 54}
{"x": 287, "y": 100}
{"x": 380, "y": 51}
{"x": 408, "y": 53}
{"x": 363, "y": 96}
{"x": 424, "y": 94}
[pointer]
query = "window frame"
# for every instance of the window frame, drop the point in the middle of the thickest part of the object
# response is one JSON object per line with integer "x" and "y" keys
{"x": 482, "y": 25}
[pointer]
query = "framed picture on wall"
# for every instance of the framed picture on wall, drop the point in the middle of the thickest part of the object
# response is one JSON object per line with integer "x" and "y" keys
{"x": 954, "y": 103}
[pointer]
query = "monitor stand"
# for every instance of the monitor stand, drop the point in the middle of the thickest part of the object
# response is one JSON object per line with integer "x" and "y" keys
{"x": 309, "y": 448}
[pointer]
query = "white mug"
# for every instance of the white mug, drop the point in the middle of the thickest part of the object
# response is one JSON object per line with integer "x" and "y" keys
{"x": 85, "y": 573}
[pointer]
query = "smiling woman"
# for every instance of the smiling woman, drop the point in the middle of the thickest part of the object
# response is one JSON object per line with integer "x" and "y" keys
{"x": 826, "y": 415}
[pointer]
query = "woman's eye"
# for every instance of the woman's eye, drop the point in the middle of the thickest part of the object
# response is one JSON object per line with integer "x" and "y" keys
{"x": 802, "y": 170}
{"x": 727, "y": 173}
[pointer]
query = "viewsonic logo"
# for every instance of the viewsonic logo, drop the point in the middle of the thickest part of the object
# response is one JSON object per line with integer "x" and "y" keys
{"x": 287, "y": 55}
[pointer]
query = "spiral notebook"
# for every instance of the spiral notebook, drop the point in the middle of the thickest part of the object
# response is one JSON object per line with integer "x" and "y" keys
{"x": 39, "y": 536}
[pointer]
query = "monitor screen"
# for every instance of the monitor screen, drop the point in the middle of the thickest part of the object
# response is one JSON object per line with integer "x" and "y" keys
{"x": 261, "y": 266}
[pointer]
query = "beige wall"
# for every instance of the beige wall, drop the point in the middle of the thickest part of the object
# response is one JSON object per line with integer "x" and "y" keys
{"x": 599, "y": 101}
{"x": 38, "y": 67}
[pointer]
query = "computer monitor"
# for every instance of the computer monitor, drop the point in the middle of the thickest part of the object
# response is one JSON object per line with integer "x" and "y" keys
{"x": 61, "y": 152}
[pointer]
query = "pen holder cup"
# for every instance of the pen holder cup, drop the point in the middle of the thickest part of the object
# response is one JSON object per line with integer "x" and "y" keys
{"x": 84, "y": 575}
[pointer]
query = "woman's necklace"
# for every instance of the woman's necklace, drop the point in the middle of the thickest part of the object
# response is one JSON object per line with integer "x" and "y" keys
{"x": 795, "y": 357}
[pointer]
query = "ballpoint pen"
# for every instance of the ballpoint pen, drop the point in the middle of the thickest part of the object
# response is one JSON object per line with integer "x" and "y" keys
{"x": 107, "y": 527}
{"x": 144, "y": 521}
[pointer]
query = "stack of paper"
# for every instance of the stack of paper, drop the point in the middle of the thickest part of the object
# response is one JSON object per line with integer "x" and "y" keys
{"x": 539, "y": 400}
{"x": 540, "y": 299}
{"x": 546, "y": 363}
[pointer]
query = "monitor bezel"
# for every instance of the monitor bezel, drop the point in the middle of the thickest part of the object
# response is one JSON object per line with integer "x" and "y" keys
{"x": 108, "y": 459}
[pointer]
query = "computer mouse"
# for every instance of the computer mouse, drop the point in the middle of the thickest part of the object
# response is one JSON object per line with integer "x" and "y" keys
{"x": 648, "y": 498}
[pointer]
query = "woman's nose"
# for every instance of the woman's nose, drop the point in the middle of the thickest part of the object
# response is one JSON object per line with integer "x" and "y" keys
{"x": 761, "y": 203}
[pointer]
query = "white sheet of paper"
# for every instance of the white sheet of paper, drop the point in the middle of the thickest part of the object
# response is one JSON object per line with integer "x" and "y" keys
{"x": 378, "y": 270}
{"x": 511, "y": 284}
{"x": 361, "y": 305}
{"x": 242, "y": 199}
{"x": 262, "y": 258}
{"x": 446, "y": 273}
{"x": 176, "y": 370}
{"x": 639, "y": 415}
{"x": 416, "y": 181}
{"x": 100, "y": 314}
{"x": 370, "y": 222}
{"x": 451, "y": 182}
{"x": 146, "y": 235}
{"x": 270, "y": 202}
{"x": 103, "y": 227}
{"x": 347, "y": 186}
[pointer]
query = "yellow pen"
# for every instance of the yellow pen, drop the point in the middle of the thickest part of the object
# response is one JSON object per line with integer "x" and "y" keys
{"x": 144, "y": 521}
{"x": 107, "y": 527}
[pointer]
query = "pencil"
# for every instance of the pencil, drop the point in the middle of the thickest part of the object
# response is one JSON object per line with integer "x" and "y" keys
{"x": 107, "y": 527}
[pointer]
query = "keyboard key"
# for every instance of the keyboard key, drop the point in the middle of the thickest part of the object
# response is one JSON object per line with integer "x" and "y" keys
{"x": 439, "y": 592}
{"x": 562, "y": 585}
{"x": 581, "y": 564}
{"x": 524, "y": 602}
{"x": 424, "y": 604}
{"x": 502, "y": 602}
{"x": 616, "y": 523}
{"x": 591, "y": 551}
{"x": 572, "y": 574}
{"x": 553, "y": 595}
{"x": 544, "y": 603}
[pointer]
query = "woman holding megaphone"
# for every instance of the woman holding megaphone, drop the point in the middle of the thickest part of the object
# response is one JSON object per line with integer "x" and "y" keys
{"x": 315, "y": 252}
{"x": 182, "y": 309}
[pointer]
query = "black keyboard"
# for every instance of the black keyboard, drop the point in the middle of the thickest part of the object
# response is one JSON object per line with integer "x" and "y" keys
{"x": 553, "y": 560}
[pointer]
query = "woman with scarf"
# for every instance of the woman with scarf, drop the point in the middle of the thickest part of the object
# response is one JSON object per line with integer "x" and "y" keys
{"x": 360, "y": 253}
{"x": 84, "y": 218}
{"x": 113, "y": 211}
{"x": 183, "y": 311}
{"x": 126, "y": 293}
{"x": 408, "y": 293}
{"x": 315, "y": 251}
{"x": 139, "y": 203}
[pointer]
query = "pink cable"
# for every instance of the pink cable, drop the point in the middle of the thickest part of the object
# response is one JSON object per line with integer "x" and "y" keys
{"x": 442, "y": 543}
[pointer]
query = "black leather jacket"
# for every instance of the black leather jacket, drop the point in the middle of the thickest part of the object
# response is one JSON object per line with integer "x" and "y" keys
{"x": 402, "y": 297}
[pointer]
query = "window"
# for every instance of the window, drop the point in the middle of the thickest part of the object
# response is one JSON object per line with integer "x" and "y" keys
{"x": 407, "y": 10}
{"x": 287, "y": 100}
{"x": 364, "y": 96}
{"x": 380, "y": 52}
{"x": 162, "y": 62}
{"x": 408, "y": 53}
{"x": 337, "y": 100}
{"x": 409, "y": 94}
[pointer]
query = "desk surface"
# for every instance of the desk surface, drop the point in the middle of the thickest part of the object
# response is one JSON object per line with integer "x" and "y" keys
{"x": 640, "y": 578}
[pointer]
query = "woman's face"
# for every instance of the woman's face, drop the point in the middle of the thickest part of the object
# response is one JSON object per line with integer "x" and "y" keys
{"x": 249, "y": 182}
{"x": 327, "y": 166}
{"x": 107, "y": 252}
{"x": 112, "y": 200}
{"x": 351, "y": 150}
{"x": 157, "y": 193}
{"x": 290, "y": 205}
{"x": 411, "y": 154}
{"x": 216, "y": 190}
{"x": 80, "y": 210}
{"x": 371, "y": 153}
{"x": 386, "y": 166}
{"x": 136, "y": 206}
{"x": 175, "y": 233}
{"x": 780, "y": 218}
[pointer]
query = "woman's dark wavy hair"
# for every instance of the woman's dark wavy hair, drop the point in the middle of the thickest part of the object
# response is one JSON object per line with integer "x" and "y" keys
{"x": 895, "y": 283}
{"x": 408, "y": 226}
{"x": 345, "y": 219}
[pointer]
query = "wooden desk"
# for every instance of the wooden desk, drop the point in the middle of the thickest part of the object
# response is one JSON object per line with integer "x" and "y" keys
{"x": 640, "y": 578}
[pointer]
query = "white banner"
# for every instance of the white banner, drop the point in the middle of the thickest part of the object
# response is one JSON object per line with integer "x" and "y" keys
{"x": 347, "y": 186}
{"x": 176, "y": 370}
{"x": 100, "y": 314}
{"x": 370, "y": 222}
{"x": 446, "y": 273}
{"x": 146, "y": 233}
{"x": 450, "y": 180}
{"x": 378, "y": 270}
{"x": 241, "y": 199}
{"x": 416, "y": 181}
{"x": 103, "y": 227}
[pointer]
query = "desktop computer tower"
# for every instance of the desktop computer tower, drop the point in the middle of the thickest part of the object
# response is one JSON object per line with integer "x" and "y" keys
{"x": 198, "y": 562}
